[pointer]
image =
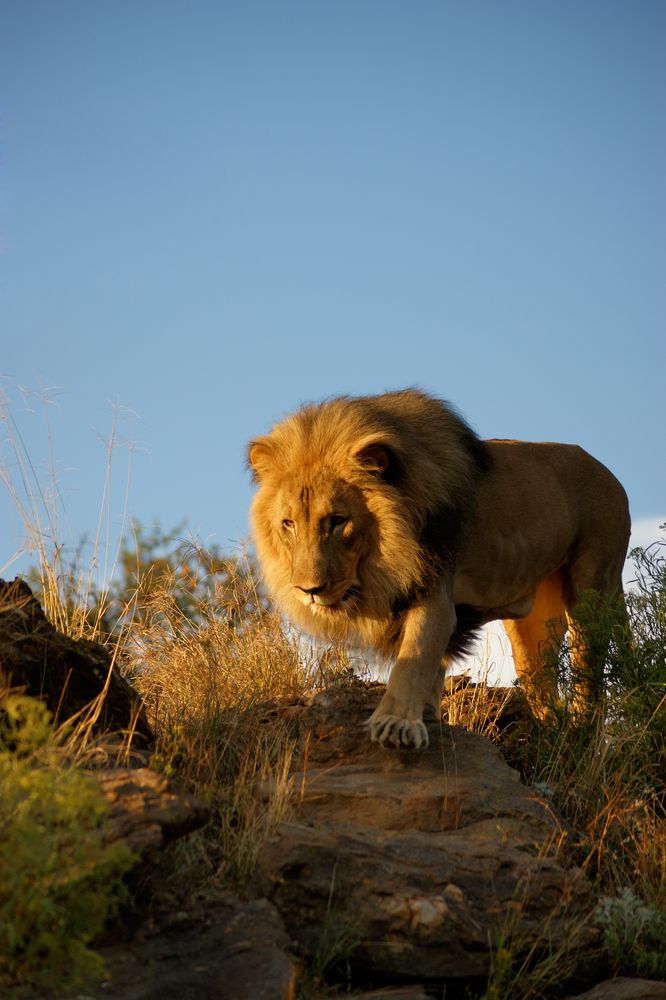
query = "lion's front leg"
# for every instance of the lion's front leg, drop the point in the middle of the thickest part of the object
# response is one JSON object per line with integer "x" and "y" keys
{"x": 398, "y": 719}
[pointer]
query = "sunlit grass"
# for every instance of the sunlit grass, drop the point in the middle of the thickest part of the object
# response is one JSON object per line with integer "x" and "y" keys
{"x": 215, "y": 665}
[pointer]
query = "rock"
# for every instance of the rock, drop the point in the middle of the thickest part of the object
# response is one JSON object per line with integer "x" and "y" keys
{"x": 145, "y": 811}
{"x": 419, "y": 859}
{"x": 232, "y": 950}
{"x": 624, "y": 988}
{"x": 67, "y": 673}
{"x": 393, "y": 993}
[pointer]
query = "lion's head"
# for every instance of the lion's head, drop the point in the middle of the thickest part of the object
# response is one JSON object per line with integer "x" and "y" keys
{"x": 347, "y": 492}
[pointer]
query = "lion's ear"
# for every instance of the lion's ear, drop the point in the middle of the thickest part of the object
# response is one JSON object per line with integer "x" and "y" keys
{"x": 377, "y": 459}
{"x": 260, "y": 458}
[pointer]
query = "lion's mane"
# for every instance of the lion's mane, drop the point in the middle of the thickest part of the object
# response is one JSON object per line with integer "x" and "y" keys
{"x": 418, "y": 506}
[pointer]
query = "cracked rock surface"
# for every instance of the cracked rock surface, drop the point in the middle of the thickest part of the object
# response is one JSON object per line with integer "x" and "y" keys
{"x": 420, "y": 857}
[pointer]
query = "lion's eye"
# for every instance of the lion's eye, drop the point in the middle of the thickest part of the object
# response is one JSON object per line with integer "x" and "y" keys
{"x": 287, "y": 524}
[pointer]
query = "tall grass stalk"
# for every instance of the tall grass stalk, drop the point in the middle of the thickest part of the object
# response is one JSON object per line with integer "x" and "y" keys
{"x": 66, "y": 585}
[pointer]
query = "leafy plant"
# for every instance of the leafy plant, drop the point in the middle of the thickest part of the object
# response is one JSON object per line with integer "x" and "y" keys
{"x": 60, "y": 880}
{"x": 634, "y": 935}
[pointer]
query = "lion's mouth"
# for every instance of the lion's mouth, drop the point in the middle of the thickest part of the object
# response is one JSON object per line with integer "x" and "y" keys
{"x": 344, "y": 600}
{"x": 341, "y": 601}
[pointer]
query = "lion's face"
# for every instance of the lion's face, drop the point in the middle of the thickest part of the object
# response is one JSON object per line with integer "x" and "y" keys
{"x": 336, "y": 539}
{"x": 321, "y": 527}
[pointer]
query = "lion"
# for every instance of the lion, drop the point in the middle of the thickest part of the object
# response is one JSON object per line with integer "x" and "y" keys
{"x": 385, "y": 522}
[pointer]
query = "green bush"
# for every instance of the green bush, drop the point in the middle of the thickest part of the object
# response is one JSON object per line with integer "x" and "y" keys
{"x": 60, "y": 880}
{"x": 643, "y": 668}
{"x": 627, "y": 649}
{"x": 634, "y": 935}
{"x": 604, "y": 770}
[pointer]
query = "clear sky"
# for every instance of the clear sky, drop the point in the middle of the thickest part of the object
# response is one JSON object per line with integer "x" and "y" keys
{"x": 213, "y": 211}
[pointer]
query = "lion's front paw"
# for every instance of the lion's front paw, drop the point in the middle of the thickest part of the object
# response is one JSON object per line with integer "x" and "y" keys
{"x": 393, "y": 729}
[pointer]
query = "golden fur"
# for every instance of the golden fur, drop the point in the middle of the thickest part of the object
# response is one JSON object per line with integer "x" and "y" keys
{"x": 384, "y": 521}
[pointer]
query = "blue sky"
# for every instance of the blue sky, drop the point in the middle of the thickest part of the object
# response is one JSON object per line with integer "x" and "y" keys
{"x": 213, "y": 211}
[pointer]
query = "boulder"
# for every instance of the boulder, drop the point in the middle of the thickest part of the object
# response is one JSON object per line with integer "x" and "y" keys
{"x": 69, "y": 674}
{"x": 420, "y": 860}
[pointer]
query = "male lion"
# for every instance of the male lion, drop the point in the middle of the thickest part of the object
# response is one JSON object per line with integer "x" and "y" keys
{"x": 384, "y": 521}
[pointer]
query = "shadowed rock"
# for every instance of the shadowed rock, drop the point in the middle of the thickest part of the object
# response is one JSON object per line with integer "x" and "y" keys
{"x": 227, "y": 949}
{"x": 69, "y": 674}
{"x": 624, "y": 988}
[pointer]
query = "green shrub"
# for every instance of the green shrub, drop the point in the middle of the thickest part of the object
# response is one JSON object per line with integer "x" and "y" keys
{"x": 605, "y": 770}
{"x": 60, "y": 880}
{"x": 630, "y": 648}
{"x": 634, "y": 935}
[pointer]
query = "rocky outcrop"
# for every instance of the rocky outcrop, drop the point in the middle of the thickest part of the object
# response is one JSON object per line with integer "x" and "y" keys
{"x": 424, "y": 860}
{"x": 402, "y": 870}
{"x": 68, "y": 674}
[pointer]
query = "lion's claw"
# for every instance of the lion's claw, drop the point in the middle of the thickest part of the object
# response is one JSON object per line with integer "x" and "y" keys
{"x": 398, "y": 731}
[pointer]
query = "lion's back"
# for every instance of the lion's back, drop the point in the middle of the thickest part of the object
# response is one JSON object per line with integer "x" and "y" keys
{"x": 559, "y": 484}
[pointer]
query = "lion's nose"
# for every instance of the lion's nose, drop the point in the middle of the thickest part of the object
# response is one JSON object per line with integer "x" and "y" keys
{"x": 311, "y": 590}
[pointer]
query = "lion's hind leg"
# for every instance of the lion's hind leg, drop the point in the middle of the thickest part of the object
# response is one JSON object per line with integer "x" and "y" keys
{"x": 594, "y": 608}
{"x": 533, "y": 636}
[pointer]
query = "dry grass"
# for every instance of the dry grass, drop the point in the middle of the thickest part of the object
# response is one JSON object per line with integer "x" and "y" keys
{"x": 482, "y": 709}
{"x": 206, "y": 654}
{"x": 528, "y": 968}
{"x": 208, "y": 686}
{"x": 613, "y": 796}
